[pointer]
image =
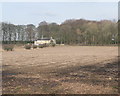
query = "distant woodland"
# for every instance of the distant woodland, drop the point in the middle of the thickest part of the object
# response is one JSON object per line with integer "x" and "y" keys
{"x": 80, "y": 31}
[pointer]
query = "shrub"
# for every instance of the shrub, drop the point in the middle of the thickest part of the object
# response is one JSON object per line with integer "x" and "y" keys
{"x": 34, "y": 46}
{"x": 41, "y": 46}
{"x": 8, "y": 47}
{"x": 53, "y": 44}
{"x": 45, "y": 45}
{"x": 27, "y": 46}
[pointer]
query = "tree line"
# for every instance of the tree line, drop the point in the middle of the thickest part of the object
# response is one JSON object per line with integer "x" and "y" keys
{"x": 72, "y": 31}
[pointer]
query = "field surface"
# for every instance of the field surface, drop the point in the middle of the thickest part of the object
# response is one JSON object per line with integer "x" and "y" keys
{"x": 61, "y": 70}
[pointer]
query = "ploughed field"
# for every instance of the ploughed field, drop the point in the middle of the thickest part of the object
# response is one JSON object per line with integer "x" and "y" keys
{"x": 61, "y": 70}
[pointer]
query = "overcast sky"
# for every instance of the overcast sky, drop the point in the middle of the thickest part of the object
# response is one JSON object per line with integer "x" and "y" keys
{"x": 34, "y": 13}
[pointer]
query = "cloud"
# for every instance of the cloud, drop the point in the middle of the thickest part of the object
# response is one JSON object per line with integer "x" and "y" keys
{"x": 44, "y": 14}
{"x": 50, "y": 14}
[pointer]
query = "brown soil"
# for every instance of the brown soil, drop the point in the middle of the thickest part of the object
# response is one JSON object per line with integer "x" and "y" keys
{"x": 61, "y": 70}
